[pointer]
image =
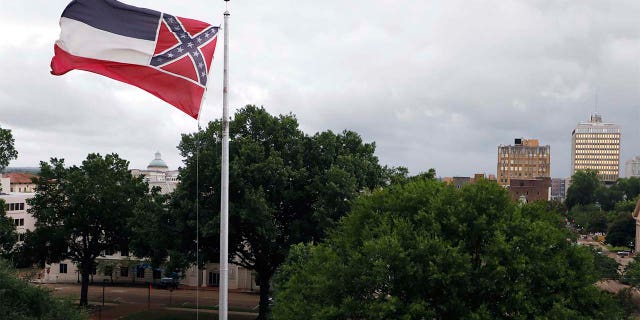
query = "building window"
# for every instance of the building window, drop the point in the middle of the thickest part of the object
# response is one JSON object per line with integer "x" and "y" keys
{"x": 139, "y": 272}
{"x": 124, "y": 271}
{"x": 124, "y": 251}
{"x": 214, "y": 279}
{"x": 63, "y": 268}
{"x": 20, "y": 236}
{"x": 19, "y": 222}
{"x": 14, "y": 206}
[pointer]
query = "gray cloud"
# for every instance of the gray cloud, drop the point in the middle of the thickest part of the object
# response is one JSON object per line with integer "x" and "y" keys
{"x": 434, "y": 84}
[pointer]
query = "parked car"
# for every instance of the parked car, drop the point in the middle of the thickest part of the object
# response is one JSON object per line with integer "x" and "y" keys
{"x": 623, "y": 253}
{"x": 168, "y": 283}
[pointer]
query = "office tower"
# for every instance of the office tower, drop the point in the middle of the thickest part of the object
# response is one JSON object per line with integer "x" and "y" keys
{"x": 526, "y": 159}
{"x": 595, "y": 145}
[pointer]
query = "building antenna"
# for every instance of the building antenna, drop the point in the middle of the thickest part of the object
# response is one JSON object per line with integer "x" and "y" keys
{"x": 596, "y": 102}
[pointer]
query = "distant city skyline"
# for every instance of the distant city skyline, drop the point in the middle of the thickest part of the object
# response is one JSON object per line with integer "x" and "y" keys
{"x": 434, "y": 84}
{"x": 177, "y": 163}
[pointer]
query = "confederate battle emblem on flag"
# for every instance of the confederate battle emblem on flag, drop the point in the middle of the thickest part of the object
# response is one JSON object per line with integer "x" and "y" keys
{"x": 187, "y": 49}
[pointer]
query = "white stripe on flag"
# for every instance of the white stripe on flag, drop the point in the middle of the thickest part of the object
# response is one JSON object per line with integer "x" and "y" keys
{"x": 83, "y": 40}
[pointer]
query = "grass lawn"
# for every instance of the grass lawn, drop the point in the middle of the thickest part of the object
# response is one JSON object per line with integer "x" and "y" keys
{"x": 182, "y": 315}
{"x": 616, "y": 249}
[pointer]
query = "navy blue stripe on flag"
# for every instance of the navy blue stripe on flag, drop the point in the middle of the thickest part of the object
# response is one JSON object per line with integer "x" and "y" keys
{"x": 115, "y": 17}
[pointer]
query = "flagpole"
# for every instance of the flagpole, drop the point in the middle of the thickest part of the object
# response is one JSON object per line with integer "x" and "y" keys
{"x": 224, "y": 194}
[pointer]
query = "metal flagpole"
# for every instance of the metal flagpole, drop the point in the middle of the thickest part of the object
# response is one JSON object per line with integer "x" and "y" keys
{"x": 224, "y": 194}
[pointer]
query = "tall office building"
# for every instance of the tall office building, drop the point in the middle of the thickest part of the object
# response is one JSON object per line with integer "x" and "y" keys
{"x": 523, "y": 160}
{"x": 596, "y": 145}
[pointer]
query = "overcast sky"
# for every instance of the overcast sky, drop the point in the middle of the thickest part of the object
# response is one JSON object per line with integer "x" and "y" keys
{"x": 436, "y": 84}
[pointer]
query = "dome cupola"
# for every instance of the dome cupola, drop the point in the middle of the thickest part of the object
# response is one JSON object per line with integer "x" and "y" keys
{"x": 157, "y": 163}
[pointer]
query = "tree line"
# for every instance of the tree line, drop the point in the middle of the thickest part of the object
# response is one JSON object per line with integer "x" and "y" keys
{"x": 330, "y": 232}
{"x": 594, "y": 207}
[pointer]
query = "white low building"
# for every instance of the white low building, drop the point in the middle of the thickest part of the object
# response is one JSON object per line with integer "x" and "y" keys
{"x": 16, "y": 208}
{"x": 120, "y": 266}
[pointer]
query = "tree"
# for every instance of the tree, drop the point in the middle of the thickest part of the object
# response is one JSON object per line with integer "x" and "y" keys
{"x": 607, "y": 268}
{"x": 286, "y": 187}
{"x": 588, "y": 218}
{"x": 626, "y": 206}
{"x": 631, "y": 274}
{"x": 8, "y": 235}
{"x": 21, "y": 300}
{"x": 153, "y": 231}
{"x": 83, "y": 211}
{"x": 630, "y": 187}
{"x": 608, "y": 197}
{"x": 626, "y": 299}
{"x": 424, "y": 250}
{"x": 622, "y": 231}
{"x": 584, "y": 184}
{"x": 7, "y": 151}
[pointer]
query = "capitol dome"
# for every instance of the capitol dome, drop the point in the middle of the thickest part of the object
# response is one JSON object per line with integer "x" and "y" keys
{"x": 157, "y": 163}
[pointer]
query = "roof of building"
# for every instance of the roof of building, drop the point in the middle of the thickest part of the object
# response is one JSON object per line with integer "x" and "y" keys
{"x": 19, "y": 177}
{"x": 595, "y": 122}
{"x": 157, "y": 162}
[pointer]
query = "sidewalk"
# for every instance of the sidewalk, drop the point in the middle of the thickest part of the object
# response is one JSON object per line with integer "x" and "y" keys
{"x": 186, "y": 287}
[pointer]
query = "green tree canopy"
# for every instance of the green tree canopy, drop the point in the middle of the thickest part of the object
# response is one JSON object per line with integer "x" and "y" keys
{"x": 631, "y": 274}
{"x": 588, "y": 218}
{"x": 630, "y": 187}
{"x": 82, "y": 211}
{"x": 8, "y": 235}
{"x": 154, "y": 230}
{"x": 286, "y": 187}
{"x": 607, "y": 268}
{"x": 584, "y": 184}
{"x": 20, "y": 300}
{"x": 622, "y": 231}
{"x": 424, "y": 250}
{"x": 7, "y": 150}
{"x": 608, "y": 197}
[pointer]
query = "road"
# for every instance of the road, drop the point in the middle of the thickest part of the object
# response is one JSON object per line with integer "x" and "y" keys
{"x": 622, "y": 261}
{"x": 120, "y": 301}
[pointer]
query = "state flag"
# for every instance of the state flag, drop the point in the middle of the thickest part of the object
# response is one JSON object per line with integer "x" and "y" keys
{"x": 165, "y": 55}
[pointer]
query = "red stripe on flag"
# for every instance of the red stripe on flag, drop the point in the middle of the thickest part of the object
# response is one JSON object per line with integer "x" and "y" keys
{"x": 166, "y": 39}
{"x": 193, "y": 26}
{"x": 183, "y": 67}
{"x": 178, "y": 92}
{"x": 207, "y": 51}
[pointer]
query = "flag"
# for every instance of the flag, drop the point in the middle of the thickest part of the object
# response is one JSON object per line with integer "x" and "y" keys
{"x": 167, "y": 56}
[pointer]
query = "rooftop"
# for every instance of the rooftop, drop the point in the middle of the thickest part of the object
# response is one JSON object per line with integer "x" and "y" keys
{"x": 19, "y": 177}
